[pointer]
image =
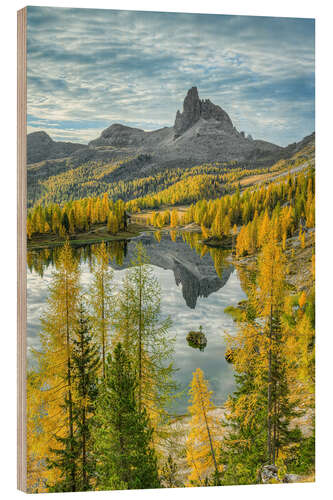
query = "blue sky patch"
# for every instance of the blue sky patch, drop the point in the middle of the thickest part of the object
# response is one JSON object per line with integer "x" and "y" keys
{"x": 90, "y": 68}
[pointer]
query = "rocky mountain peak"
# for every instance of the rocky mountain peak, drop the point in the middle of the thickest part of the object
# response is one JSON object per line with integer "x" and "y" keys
{"x": 40, "y": 146}
{"x": 194, "y": 109}
{"x": 40, "y": 137}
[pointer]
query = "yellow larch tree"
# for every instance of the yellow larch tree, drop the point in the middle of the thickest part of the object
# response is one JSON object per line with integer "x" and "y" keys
{"x": 100, "y": 299}
{"x": 105, "y": 207}
{"x": 264, "y": 229}
{"x": 270, "y": 297}
{"x": 174, "y": 218}
{"x": 49, "y": 418}
{"x": 201, "y": 443}
{"x": 301, "y": 237}
{"x": 144, "y": 335}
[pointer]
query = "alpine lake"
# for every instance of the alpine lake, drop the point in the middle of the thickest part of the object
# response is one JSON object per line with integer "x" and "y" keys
{"x": 197, "y": 284}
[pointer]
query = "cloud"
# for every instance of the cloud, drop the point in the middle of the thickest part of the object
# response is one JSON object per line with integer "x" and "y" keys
{"x": 106, "y": 66}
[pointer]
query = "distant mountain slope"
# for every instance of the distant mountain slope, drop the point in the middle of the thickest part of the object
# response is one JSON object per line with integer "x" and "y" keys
{"x": 127, "y": 179}
{"x": 41, "y": 147}
{"x": 129, "y": 162}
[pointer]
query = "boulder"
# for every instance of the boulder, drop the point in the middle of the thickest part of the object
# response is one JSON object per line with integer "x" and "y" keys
{"x": 292, "y": 478}
{"x": 269, "y": 474}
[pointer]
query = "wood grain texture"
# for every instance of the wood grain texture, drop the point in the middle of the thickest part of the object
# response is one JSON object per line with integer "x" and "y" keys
{"x": 21, "y": 249}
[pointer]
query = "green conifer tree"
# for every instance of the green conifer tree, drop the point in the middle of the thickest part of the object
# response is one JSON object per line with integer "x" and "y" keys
{"x": 123, "y": 437}
{"x": 73, "y": 458}
{"x": 86, "y": 363}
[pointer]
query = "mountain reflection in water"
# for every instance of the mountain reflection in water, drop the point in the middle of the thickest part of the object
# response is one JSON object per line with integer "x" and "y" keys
{"x": 189, "y": 273}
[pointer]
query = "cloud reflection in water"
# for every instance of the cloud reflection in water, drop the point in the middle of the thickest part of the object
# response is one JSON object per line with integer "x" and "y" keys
{"x": 209, "y": 312}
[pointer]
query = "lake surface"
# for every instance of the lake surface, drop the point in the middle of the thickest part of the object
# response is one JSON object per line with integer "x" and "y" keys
{"x": 197, "y": 284}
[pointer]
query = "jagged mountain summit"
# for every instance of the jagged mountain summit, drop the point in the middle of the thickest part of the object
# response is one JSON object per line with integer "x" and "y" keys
{"x": 203, "y": 132}
{"x": 194, "y": 109}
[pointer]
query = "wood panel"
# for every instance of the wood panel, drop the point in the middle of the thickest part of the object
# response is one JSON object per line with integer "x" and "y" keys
{"x": 21, "y": 248}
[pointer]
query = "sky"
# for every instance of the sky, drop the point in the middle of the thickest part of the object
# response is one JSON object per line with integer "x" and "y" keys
{"x": 88, "y": 69}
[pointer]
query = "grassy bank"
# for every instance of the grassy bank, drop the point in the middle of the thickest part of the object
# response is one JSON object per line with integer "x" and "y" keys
{"x": 96, "y": 234}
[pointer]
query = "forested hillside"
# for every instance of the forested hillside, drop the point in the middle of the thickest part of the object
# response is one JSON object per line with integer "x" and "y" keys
{"x": 103, "y": 361}
{"x": 130, "y": 163}
{"x": 182, "y": 187}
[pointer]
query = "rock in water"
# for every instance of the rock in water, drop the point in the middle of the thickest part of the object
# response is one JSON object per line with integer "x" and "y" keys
{"x": 229, "y": 355}
{"x": 197, "y": 339}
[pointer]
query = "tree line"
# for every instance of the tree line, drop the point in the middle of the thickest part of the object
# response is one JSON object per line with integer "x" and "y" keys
{"x": 120, "y": 179}
{"x": 77, "y": 216}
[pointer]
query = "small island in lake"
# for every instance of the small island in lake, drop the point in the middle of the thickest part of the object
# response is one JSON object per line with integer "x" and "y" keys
{"x": 197, "y": 340}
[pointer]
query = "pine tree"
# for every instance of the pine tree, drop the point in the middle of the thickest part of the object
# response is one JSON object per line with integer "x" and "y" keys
{"x": 201, "y": 444}
{"x": 100, "y": 299}
{"x": 244, "y": 446}
{"x": 123, "y": 437}
{"x": 145, "y": 336}
{"x": 259, "y": 413}
{"x": 86, "y": 361}
{"x": 65, "y": 222}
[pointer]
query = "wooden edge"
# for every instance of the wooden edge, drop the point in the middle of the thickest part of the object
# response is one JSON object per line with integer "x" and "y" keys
{"x": 21, "y": 249}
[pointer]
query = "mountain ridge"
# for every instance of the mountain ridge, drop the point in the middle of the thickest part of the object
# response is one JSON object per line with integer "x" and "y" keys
{"x": 203, "y": 134}
{"x": 203, "y": 131}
